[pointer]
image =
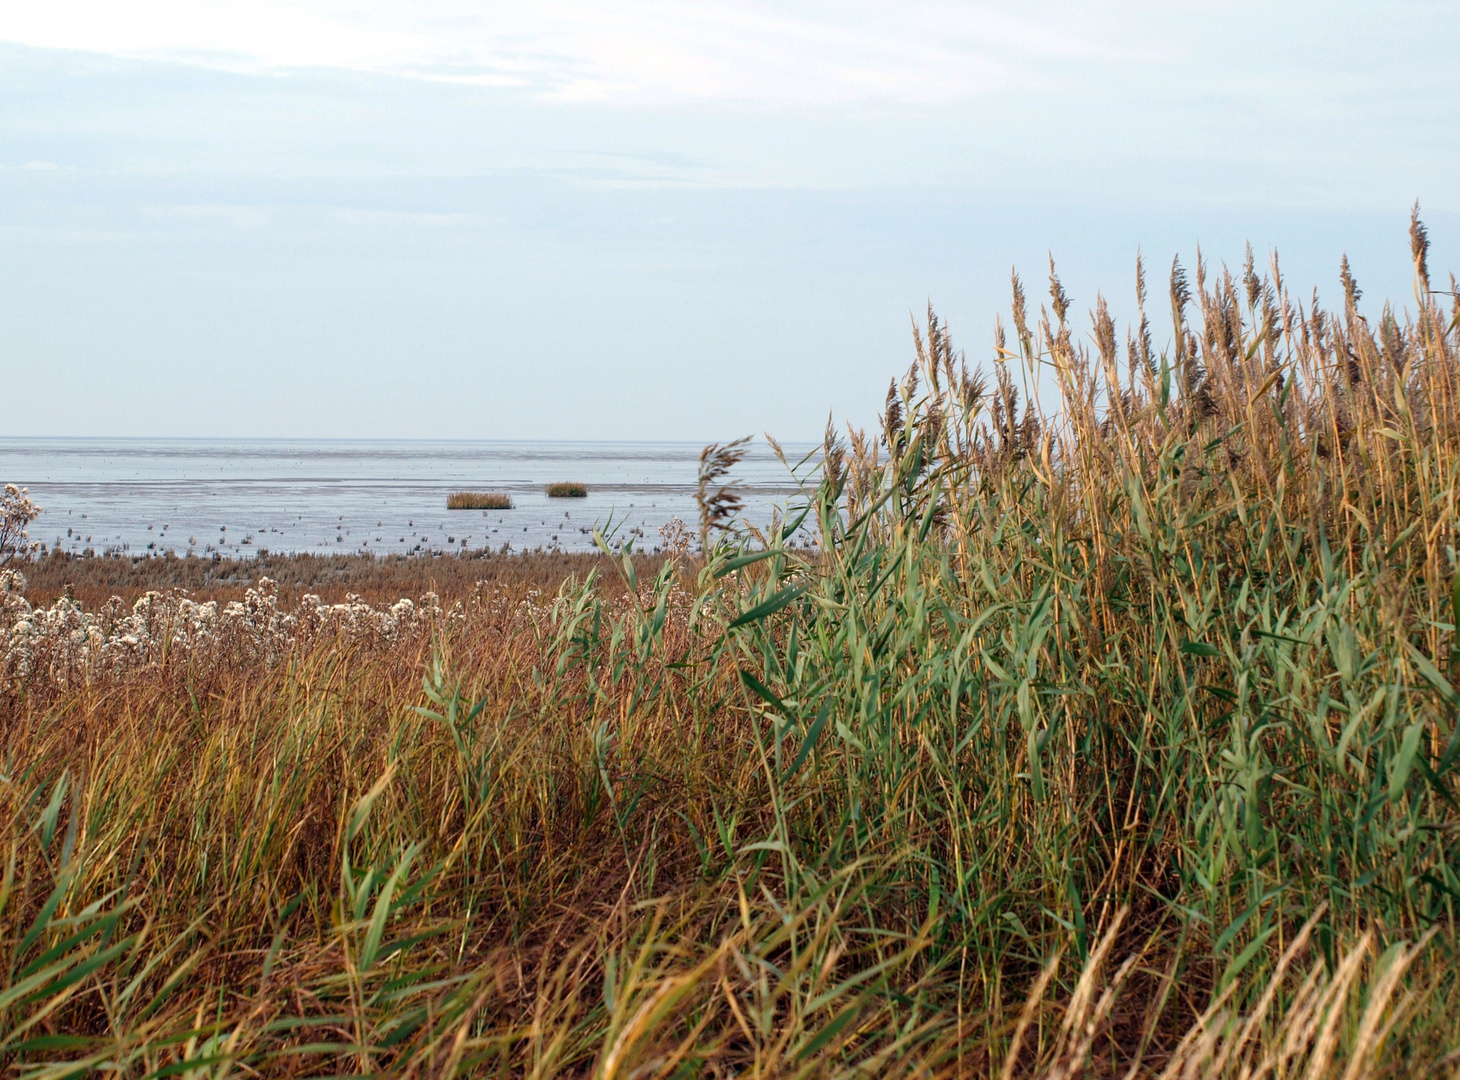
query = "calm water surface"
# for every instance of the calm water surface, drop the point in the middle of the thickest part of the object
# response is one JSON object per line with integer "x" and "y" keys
{"x": 239, "y": 497}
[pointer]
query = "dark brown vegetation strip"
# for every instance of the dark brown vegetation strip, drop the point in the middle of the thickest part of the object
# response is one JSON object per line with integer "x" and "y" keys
{"x": 94, "y": 579}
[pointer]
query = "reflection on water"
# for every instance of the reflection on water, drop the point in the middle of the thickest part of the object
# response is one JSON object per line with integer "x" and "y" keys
{"x": 337, "y": 496}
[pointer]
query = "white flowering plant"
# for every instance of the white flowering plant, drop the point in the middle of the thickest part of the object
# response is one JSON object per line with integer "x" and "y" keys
{"x": 16, "y": 513}
{"x": 65, "y": 645}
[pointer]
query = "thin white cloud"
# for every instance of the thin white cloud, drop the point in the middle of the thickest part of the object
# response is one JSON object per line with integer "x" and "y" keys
{"x": 232, "y": 215}
{"x": 630, "y": 51}
{"x": 355, "y": 218}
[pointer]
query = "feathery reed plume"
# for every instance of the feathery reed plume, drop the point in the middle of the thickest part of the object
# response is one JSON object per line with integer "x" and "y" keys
{"x": 892, "y": 417}
{"x": 1251, "y": 284}
{"x": 834, "y": 456}
{"x": 1419, "y": 248}
{"x": 1180, "y": 297}
{"x": 1138, "y": 346}
{"x": 1020, "y": 313}
{"x": 719, "y": 499}
{"x": 1352, "y": 294}
{"x": 1057, "y": 295}
{"x": 863, "y": 461}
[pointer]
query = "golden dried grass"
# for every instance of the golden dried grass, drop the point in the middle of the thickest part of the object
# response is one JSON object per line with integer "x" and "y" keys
{"x": 478, "y": 500}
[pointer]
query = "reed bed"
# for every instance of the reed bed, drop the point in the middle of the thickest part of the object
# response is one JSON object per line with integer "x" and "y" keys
{"x": 1113, "y": 736}
{"x": 567, "y": 491}
{"x": 478, "y": 500}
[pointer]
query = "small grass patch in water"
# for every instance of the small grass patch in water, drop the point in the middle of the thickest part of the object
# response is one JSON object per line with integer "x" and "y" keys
{"x": 478, "y": 500}
{"x": 567, "y": 491}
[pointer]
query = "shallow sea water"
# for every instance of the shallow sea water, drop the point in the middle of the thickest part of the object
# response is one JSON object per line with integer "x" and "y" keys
{"x": 240, "y": 496}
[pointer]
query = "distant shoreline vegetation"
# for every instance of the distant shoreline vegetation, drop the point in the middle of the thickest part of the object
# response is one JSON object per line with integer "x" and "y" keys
{"x": 567, "y": 491}
{"x": 478, "y": 500}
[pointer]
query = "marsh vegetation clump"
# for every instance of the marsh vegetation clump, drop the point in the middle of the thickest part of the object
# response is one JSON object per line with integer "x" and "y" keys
{"x": 478, "y": 500}
{"x": 567, "y": 491}
{"x": 1109, "y": 731}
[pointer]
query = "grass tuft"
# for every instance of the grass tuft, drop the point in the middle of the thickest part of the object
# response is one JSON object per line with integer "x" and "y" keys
{"x": 478, "y": 500}
{"x": 567, "y": 491}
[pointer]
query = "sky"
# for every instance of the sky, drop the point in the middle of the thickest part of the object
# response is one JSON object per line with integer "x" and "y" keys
{"x": 656, "y": 220}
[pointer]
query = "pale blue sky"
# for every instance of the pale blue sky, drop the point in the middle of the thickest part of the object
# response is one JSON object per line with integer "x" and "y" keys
{"x": 648, "y": 219}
